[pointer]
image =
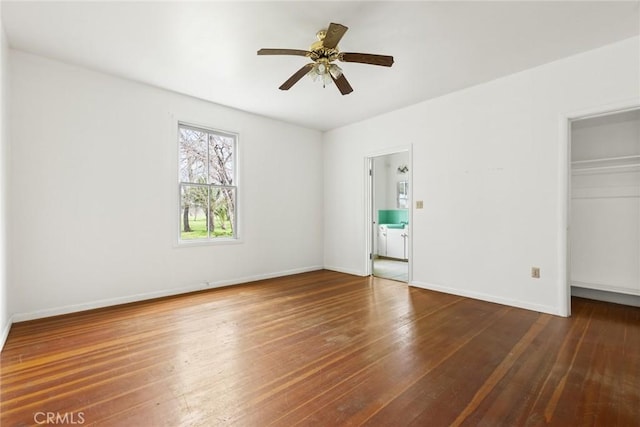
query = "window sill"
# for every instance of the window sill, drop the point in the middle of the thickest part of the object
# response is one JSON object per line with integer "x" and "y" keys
{"x": 217, "y": 242}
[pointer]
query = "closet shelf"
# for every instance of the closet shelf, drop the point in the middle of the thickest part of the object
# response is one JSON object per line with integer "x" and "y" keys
{"x": 619, "y": 164}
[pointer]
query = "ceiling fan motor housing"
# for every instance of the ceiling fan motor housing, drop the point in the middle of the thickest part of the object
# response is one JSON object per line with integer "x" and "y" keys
{"x": 318, "y": 52}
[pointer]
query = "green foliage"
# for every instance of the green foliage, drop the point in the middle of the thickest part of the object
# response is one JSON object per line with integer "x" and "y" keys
{"x": 199, "y": 229}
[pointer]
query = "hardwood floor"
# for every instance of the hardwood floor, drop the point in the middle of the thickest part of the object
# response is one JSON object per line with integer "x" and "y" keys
{"x": 325, "y": 348}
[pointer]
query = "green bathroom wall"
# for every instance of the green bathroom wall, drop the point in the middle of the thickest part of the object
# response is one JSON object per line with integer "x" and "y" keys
{"x": 393, "y": 216}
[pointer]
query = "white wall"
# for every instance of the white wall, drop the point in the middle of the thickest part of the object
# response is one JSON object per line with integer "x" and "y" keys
{"x": 490, "y": 164}
{"x": 386, "y": 178}
{"x": 607, "y": 136}
{"x": 94, "y": 192}
{"x": 5, "y": 314}
{"x": 381, "y": 180}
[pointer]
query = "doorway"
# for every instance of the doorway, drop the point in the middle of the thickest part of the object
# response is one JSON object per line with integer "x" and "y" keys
{"x": 389, "y": 213}
{"x": 604, "y": 207}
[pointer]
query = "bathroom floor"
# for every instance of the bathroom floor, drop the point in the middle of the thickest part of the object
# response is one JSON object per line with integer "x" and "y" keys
{"x": 391, "y": 269}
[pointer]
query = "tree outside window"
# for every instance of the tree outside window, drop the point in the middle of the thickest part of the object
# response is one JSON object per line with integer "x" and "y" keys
{"x": 208, "y": 189}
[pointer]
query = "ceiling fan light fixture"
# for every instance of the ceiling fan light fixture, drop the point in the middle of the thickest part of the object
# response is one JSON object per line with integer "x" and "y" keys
{"x": 321, "y": 71}
{"x": 335, "y": 71}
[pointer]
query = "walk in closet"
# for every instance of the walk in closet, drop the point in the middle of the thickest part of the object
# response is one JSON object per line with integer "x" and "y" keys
{"x": 605, "y": 206}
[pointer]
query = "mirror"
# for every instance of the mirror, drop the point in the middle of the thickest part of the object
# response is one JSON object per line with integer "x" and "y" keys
{"x": 403, "y": 195}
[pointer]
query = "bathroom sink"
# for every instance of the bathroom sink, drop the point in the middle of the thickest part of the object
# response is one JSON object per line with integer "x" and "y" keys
{"x": 395, "y": 225}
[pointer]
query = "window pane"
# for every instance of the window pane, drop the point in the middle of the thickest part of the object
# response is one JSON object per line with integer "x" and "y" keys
{"x": 223, "y": 202}
{"x": 193, "y": 208}
{"x": 207, "y": 184}
{"x": 193, "y": 155}
{"x": 221, "y": 159}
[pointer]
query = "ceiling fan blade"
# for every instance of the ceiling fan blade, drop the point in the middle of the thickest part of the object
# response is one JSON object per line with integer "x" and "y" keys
{"x": 334, "y": 34}
{"x": 296, "y": 52}
{"x": 296, "y": 76}
{"x": 367, "y": 58}
{"x": 342, "y": 84}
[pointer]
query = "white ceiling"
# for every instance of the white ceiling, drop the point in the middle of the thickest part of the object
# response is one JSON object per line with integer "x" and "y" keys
{"x": 208, "y": 50}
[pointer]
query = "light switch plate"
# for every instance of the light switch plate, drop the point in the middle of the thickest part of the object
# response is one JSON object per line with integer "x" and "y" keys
{"x": 419, "y": 204}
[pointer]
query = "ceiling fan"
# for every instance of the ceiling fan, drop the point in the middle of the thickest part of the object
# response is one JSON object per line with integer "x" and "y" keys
{"x": 323, "y": 53}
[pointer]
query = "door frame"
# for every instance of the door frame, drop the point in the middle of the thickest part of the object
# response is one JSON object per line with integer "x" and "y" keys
{"x": 565, "y": 193}
{"x": 369, "y": 217}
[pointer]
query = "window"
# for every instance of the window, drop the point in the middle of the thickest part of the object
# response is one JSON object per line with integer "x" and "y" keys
{"x": 208, "y": 192}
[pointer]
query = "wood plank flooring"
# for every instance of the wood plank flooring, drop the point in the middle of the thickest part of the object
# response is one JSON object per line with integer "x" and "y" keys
{"x": 326, "y": 349}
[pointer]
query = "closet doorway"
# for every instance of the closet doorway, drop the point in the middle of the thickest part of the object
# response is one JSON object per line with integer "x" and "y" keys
{"x": 389, "y": 215}
{"x": 604, "y": 238}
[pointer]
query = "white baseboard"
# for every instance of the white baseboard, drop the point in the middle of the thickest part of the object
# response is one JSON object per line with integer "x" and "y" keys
{"x": 628, "y": 290}
{"x": 345, "y": 270}
{"x": 74, "y": 308}
{"x": 486, "y": 297}
{"x": 5, "y": 332}
{"x": 608, "y": 296}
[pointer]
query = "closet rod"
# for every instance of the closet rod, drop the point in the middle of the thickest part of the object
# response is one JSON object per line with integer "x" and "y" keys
{"x": 605, "y": 159}
{"x": 601, "y": 168}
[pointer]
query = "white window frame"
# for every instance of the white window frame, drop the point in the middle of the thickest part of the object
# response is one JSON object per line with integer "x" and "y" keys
{"x": 209, "y": 240}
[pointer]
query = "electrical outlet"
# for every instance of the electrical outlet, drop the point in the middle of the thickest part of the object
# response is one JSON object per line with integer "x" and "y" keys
{"x": 535, "y": 272}
{"x": 419, "y": 204}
